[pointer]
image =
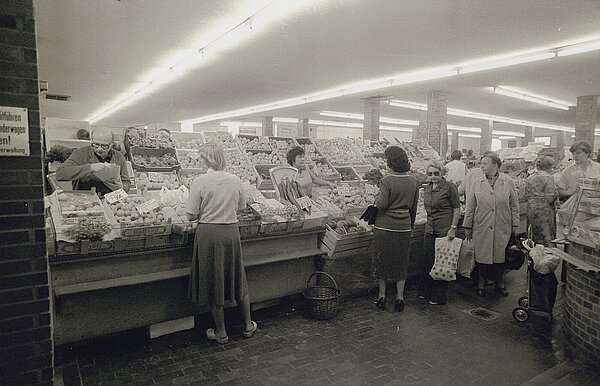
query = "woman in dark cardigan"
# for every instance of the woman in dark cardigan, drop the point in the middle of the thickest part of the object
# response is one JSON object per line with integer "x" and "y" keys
{"x": 397, "y": 204}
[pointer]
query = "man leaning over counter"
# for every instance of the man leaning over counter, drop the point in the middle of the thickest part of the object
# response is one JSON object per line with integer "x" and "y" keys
{"x": 98, "y": 165}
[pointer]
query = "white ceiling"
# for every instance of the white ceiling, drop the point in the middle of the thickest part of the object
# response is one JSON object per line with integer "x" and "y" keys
{"x": 94, "y": 50}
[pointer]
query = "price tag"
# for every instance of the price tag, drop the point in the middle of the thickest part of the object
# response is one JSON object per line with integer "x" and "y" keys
{"x": 345, "y": 190}
{"x": 155, "y": 177}
{"x": 147, "y": 206}
{"x": 281, "y": 144}
{"x": 115, "y": 196}
{"x": 304, "y": 202}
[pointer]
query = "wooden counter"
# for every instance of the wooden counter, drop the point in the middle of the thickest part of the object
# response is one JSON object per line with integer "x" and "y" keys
{"x": 100, "y": 295}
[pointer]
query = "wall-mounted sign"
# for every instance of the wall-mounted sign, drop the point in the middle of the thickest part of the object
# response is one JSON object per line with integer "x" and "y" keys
{"x": 286, "y": 129}
{"x": 14, "y": 132}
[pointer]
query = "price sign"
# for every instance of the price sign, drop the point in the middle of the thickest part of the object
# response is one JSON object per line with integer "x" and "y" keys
{"x": 115, "y": 196}
{"x": 147, "y": 206}
{"x": 304, "y": 202}
{"x": 281, "y": 144}
{"x": 256, "y": 207}
{"x": 155, "y": 177}
{"x": 345, "y": 190}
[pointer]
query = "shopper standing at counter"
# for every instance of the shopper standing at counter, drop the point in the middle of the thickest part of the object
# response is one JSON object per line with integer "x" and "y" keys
{"x": 541, "y": 196}
{"x": 397, "y": 205}
{"x": 218, "y": 273}
{"x": 492, "y": 213}
{"x": 98, "y": 165}
{"x": 583, "y": 167}
{"x": 306, "y": 178}
{"x": 443, "y": 212}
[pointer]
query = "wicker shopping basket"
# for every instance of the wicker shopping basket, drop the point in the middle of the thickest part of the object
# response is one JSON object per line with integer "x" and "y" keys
{"x": 322, "y": 300}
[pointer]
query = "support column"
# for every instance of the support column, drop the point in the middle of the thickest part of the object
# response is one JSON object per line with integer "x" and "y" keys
{"x": 561, "y": 139}
{"x": 303, "y": 128}
{"x": 529, "y": 136}
{"x": 437, "y": 121}
{"x": 454, "y": 141}
{"x": 372, "y": 112}
{"x": 267, "y": 126}
{"x": 420, "y": 133}
{"x": 485, "y": 143}
{"x": 586, "y": 115}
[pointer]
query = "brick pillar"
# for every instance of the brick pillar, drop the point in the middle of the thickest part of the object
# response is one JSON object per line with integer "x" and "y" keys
{"x": 372, "y": 110}
{"x": 586, "y": 115}
{"x": 561, "y": 139}
{"x": 420, "y": 133}
{"x": 485, "y": 143}
{"x": 303, "y": 128}
{"x": 437, "y": 121}
{"x": 25, "y": 334}
{"x": 529, "y": 136}
{"x": 267, "y": 126}
{"x": 454, "y": 141}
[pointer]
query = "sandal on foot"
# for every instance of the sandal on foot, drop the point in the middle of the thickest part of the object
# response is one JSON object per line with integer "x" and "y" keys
{"x": 210, "y": 334}
{"x": 248, "y": 334}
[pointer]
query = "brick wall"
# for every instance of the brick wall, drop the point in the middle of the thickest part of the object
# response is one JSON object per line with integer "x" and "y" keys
{"x": 25, "y": 334}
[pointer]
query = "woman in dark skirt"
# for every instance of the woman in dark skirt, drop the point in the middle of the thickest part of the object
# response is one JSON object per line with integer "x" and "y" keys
{"x": 218, "y": 273}
{"x": 397, "y": 204}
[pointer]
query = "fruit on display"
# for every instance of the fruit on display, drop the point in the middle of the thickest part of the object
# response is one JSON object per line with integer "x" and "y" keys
{"x": 188, "y": 143}
{"x": 222, "y": 138}
{"x": 257, "y": 143}
{"x": 348, "y": 226}
{"x": 73, "y": 204}
{"x": 269, "y": 213}
{"x": 290, "y": 191}
{"x": 189, "y": 159}
{"x": 367, "y": 150}
{"x": 353, "y": 199}
{"x": 262, "y": 158}
{"x": 418, "y": 165}
{"x": 328, "y": 207}
{"x": 247, "y": 215}
{"x": 160, "y": 139}
{"x": 373, "y": 176}
{"x": 126, "y": 213}
{"x": 278, "y": 143}
{"x": 238, "y": 165}
{"x": 322, "y": 169}
{"x": 379, "y": 162}
{"x": 153, "y": 161}
{"x": 157, "y": 180}
{"x": 311, "y": 152}
{"x": 340, "y": 151}
{"x": 89, "y": 228}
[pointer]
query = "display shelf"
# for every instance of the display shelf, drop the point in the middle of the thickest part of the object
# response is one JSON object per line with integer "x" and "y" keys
{"x": 584, "y": 224}
{"x": 139, "y": 157}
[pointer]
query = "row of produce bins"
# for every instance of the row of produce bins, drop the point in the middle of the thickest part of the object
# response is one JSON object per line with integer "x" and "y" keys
{"x": 340, "y": 151}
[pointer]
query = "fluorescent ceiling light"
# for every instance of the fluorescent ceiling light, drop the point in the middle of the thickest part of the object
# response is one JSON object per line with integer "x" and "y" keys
{"x": 241, "y": 124}
{"x": 395, "y": 121}
{"x": 360, "y": 117}
{"x": 285, "y": 120}
{"x": 317, "y": 122}
{"x": 508, "y": 133}
{"x": 250, "y": 19}
{"x": 469, "y": 136}
{"x": 579, "y": 48}
{"x": 507, "y": 137}
{"x": 485, "y": 117}
{"x": 510, "y": 92}
{"x": 504, "y": 62}
{"x": 462, "y": 128}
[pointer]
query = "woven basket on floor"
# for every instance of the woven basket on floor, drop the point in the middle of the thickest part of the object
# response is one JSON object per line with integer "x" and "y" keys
{"x": 322, "y": 300}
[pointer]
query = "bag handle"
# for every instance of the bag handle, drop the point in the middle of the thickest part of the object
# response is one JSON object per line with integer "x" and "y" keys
{"x": 321, "y": 273}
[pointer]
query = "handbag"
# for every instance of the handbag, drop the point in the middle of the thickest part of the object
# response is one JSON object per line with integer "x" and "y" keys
{"x": 466, "y": 259}
{"x": 446, "y": 257}
{"x": 514, "y": 256}
{"x": 370, "y": 215}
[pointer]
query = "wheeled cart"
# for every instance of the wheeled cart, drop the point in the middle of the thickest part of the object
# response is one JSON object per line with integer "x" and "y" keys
{"x": 541, "y": 294}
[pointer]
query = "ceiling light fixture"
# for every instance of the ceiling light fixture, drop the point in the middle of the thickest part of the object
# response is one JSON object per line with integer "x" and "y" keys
{"x": 317, "y": 122}
{"x": 487, "y": 64}
{"x": 360, "y": 117}
{"x": 241, "y": 124}
{"x": 253, "y": 17}
{"x": 579, "y": 48}
{"x": 514, "y": 93}
{"x": 285, "y": 120}
{"x": 485, "y": 117}
{"x": 506, "y": 137}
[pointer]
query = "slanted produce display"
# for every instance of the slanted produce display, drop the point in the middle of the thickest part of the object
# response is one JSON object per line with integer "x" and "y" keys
{"x": 253, "y": 142}
{"x": 323, "y": 169}
{"x": 266, "y": 157}
{"x": 340, "y": 152}
{"x": 156, "y": 180}
{"x": 154, "y": 159}
{"x": 309, "y": 148}
{"x": 191, "y": 141}
{"x": 222, "y": 138}
{"x": 282, "y": 143}
{"x": 238, "y": 164}
{"x": 155, "y": 139}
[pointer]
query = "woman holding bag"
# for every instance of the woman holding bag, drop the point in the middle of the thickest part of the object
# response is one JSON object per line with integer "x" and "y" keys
{"x": 491, "y": 216}
{"x": 443, "y": 212}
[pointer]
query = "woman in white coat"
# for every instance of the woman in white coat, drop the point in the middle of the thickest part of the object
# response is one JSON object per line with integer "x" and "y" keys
{"x": 492, "y": 213}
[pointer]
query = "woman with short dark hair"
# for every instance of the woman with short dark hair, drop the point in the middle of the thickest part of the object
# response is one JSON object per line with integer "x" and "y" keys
{"x": 397, "y": 204}
{"x": 541, "y": 195}
{"x": 492, "y": 213}
{"x": 583, "y": 167}
{"x": 306, "y": 178}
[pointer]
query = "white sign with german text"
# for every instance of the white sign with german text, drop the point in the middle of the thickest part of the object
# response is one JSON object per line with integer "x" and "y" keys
{"x": 14, "y": 132}
{"x": 287, "y": 129}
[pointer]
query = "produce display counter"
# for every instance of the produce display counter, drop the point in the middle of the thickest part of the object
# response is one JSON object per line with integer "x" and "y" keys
{"x": 96, "y": 295}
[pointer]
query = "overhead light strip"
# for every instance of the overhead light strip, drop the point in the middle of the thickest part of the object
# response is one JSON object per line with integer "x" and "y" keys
{"x": 486, "y": 117}
{"x": 518, "y": 94}
{"x": 174, "y": 66}
{"x": 413, "y": 77}
{"x": 361, "y": 117}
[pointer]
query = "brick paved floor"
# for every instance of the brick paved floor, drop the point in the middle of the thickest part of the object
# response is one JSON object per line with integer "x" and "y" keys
{"x": 424, "y": 345}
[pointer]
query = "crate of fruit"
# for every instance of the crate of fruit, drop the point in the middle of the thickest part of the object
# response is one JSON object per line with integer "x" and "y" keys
{"x": 189, "y": 159}
{"x": 154, "y": 160}
{"x": 340, "y": 151}
{"x": 134, "y": 244}
{"x": 283, "y": 143}
{"x": 324, "y": 169}
{"x": 222, "y": 138}
{"x": 265, "y": 157}
{"x": 71, "y": 206}
{"x": 378, "y": 161}
{"x": 309, "y": 148}
{"x": 137, "y": 216}
{"x": 157, "y": 180}
{"x": 346, "y": 237}
{"x": 248, "y": 222}
{"x": 253, "y": 142}
{"x": 148, "y": 139}
{"x": 264, "y": 177}
{"x": 187, "y": 141}
{"x": 239, "y": 165}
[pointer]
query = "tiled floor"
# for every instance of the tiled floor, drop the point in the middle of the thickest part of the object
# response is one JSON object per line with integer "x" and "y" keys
{"x": 424, "y": 345}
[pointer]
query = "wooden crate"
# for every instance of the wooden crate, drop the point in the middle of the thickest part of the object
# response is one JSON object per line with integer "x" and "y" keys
{"x": 337, "y": 245}
{"x": 84, "y": 247}
{"x": 140, "y": 243}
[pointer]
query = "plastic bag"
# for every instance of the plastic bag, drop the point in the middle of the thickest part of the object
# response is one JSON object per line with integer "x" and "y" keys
{"x": 543, "y": 262}
{"x": 566, "y": 210}
{"x": 446, "y": 257}
{"x": 173, "y": 198}
{"x": 466, "y": 259}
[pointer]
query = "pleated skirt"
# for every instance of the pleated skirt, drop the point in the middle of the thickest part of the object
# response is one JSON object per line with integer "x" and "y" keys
{"x": 218, "y": 273}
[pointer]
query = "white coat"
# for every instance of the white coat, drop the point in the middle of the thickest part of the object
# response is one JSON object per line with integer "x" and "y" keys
{"x": 492, "y": 214}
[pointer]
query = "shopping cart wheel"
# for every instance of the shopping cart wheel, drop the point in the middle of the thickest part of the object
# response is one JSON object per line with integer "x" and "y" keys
{"x": 524, "y": 301}
{"x": 520, "y": 314}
